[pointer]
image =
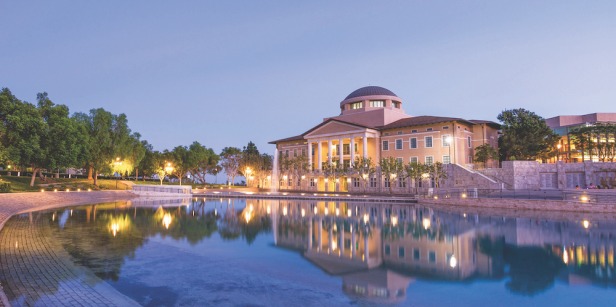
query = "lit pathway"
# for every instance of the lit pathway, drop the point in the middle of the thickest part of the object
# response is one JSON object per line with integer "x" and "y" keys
{"x": 55, "y": 273}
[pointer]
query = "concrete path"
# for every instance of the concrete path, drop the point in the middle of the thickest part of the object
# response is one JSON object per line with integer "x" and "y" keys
{"x": 82, "y": 293}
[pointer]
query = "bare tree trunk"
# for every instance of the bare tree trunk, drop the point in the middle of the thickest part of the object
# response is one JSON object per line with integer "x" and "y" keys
{"x": 90, "y": 173}
{"x": 34, "y": 170}
{"x": 136, "y": 173}
{"x": 95, "y": 176}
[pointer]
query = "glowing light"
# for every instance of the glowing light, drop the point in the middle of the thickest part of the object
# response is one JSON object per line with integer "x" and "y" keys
{"x": 453, "y": 262}
{"x": 167, "y": 220}
{"x": 78, "y": 190}
{"x": 426, "y": 223}
{"x": 326, "y": 211}
{"x": 337, "y": 212}
{"x": 114, "y": 228}
{"x": 303, "y": 177}
{"x": 247, "y": 215}
{"x": 586, "y": 224}
{"x": 42, "y": 190}
{"x": 89, "y": 190}
{"x": 269, "y": 210}
{"x": 435, "y": 197}
{"x": 68, "y": 190}
{"x": 583, "y": 198}
{"x": 394, "y": 220}
{"x": 315, "y": 210}
{"x": 303, "y": 212}
{"x": 334, "y": 245}
{"x": 565, "y": 256}
{"x": 349, "y": 212}
{"x": 366, "y": 218}
{"x": 284, "y": 211}
{"x": 55, "y": 190}
{"x": 326, "y": 180}
{"x": 463, "y": 195}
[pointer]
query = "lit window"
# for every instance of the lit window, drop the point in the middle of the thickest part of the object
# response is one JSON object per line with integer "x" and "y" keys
{"x": 377, "y": 103}
{"x": 357, "y": 105}
{"x": 346, "y": 149}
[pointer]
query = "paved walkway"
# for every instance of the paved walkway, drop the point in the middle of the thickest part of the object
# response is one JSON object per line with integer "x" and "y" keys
{"x": 78, "y": 287}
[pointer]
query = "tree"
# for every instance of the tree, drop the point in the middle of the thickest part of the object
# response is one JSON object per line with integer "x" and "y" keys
{"x": 203, "y": 160}
{"x": 526, "y": 136}
{"x": 364, "y": 167}
{"x": 390, "y": 169}
{"x": 230, "y": 161}
{"x": 438, "y": 173}
{"x": 415, "y": 171}
{"x": 137, "y": 152}
{"x": 485, "y": 153}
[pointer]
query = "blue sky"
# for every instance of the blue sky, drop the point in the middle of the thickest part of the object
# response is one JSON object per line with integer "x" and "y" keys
{"x": 227, "y": 72}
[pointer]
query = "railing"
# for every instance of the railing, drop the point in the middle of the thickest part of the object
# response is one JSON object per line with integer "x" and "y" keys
{"x": 582, "y": 196}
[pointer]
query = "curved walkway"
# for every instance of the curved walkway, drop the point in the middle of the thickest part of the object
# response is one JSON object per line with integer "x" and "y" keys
{"x": 82, "y": 287}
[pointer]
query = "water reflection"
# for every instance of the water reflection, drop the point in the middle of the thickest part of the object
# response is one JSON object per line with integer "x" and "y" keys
{"x": 377, "y": 251}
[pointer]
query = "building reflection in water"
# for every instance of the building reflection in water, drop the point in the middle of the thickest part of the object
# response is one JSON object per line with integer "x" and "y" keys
{"x": 378, "y": 249}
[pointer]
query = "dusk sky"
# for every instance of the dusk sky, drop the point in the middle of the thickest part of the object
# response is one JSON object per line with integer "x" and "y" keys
{"x": 227, "y": 72}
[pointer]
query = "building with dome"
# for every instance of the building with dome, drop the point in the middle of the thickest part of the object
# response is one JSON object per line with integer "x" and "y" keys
{"x": 373, "y": 124}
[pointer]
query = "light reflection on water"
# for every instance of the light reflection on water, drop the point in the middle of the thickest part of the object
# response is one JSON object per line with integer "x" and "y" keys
{"x": 270, "y": 252}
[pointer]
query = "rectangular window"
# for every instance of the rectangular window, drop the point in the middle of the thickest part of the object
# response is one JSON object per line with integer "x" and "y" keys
{"x": 299, "y": 182}
{"x": 312, "y": 182}
{"x": 373, "y": 182}
{"x": 387, "y": 184}
{"x": 286, "y": 153}
{"x": 416, "y": 254}
{"x": 400, "y": 252}
{"x": 413, "y": 143}
{"x": 446, "y": 160}
{"x": 432, "y": 256}
{"x": 290, "y": 181}
{"x": 356, "y": 150}
{"x": 429, "y": 160}
{"x": 399, "y": 144}
{"x": 401, "y": 183}
{"x": 414, "y": 131}
{"x": 377, "y": 103}
{"x": 346, "y": 149}
{"x": 387, "y": 250}
{"x": 357, "y": 105}
{"x": 356, "y": 183}
{"x": 445, "y": 127}
{"x": 428, "y": 141}
{"x": 400, "y": 160}
{"x": 385, "y": 145}
{"x": 446, "y": 140}
{"x": 414, "y": 160}
{"x": 304, "y": 152}
{"x": 429, "y": 129}
{"x": 469, "y": 141}
{"x": 295, "y": 152}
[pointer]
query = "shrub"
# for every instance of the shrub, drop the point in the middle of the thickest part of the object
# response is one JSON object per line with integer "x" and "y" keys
{"x": 5, "y": 187}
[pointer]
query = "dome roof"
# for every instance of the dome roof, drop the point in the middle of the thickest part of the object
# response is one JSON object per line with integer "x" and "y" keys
{"x": 370, "y": 91}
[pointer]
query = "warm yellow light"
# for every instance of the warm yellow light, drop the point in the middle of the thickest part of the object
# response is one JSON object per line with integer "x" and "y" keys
{"x": 337, "y": 211}
{"x": 68, "y": 190}
{"x": 55, "y": 190}
{"x": 426, "y": 223}
{"x": 463, "y": 195}
{"x": 583, "y": 198}
{"x": 366, "y": 218}
{"x": 337, "y": 180}
{"x": 565, "y": 256}
{"x": 326, "y": 180}
{"x": 559, "y": 146}
{"x": 247, "y": 215}
{"x": 348, "y": 179}
{"x": 326, "y": 211}
{"x": 89, "y": 190}
{"x": 42, "y": 190}
{"x": 284, "y": 211}
{"x": 349, "y": 212}
{"x": 334, "y": 245}
{"x": 285, "y": 177}
{"x": 303, "y": 212}
{"x": 364, "y": 176}
{"x": 394, "y": 220}
{"x": 303, "y": 177}
{"x": 269, "y": 210}
{"x": 586, "y": 224}
{"x": 167, "y": 220}
{"x": 78, "y": 190}
{"x": 435, "y": 197}
{"x": 114, "y": 228}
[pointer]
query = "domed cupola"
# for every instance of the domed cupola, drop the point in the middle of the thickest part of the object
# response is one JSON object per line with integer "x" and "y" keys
{"x": 370, "y": 98}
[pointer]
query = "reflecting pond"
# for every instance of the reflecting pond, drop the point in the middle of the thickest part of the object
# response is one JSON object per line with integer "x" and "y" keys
{"x": 205, "y": 252}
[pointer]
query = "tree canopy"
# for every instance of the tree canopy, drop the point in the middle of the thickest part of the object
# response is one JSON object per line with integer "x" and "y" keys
{"x": 525, "y": 136}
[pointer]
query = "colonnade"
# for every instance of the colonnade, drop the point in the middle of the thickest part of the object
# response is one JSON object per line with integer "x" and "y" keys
{"x": 330, "y": 157}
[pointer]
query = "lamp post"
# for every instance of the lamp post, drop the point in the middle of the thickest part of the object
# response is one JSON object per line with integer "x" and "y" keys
{"x": 117, "y": 164}
{"x": 558, "y": 147}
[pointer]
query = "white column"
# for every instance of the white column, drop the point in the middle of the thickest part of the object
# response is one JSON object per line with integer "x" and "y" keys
{"x": 320, "y": 160}
{"x": 340, "y": 151}
{"x": 352, "y": 145}
{"x": 365, "y": 145}
{"x": 329, "y": 151}
{"x": 310, "y": 155}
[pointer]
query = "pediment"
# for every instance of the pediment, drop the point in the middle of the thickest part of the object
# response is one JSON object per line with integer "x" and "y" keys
{"x": 334, "y": 128}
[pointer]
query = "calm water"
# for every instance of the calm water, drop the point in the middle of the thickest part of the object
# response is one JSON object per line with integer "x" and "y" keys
{"x": 285, "y": 253}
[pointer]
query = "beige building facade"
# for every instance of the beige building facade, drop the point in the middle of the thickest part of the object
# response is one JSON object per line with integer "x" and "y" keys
{"x": 372, "y": 124}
